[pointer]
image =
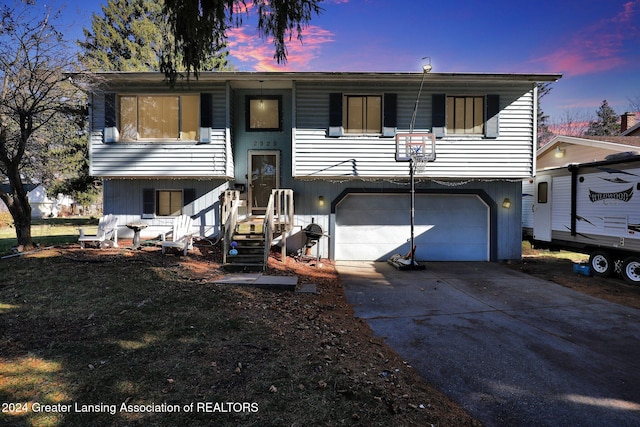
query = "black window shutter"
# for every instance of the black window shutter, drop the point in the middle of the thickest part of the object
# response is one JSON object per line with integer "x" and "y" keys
{"x": 492, "y": 126}
{"x": 188, "y": 195}
{"x": 390, "y": 110}
{"x": 206, "y": 116}
{"x": 148, "y": 201}
{"x": 335, "y": 109}
{"x": 438, "y": 110}
{"x": 438, "y": 114}
{"x": 110, "y": 110}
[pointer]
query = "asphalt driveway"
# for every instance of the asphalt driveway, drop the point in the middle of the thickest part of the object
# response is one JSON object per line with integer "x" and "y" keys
{"x": 512, "y": 349}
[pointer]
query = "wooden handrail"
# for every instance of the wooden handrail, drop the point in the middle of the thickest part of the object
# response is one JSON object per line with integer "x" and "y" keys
{"x": 279, "y": 212}
{"x": 228, "y": 218}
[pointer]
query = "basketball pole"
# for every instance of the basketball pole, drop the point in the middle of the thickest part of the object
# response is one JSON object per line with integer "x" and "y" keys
{"x": 425, "y": 70}
{"x": 413, "y": 194}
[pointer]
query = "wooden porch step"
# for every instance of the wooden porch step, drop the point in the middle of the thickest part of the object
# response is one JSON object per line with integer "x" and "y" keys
{"x": 242, "y": 266}
{"x": 250, "y": 228}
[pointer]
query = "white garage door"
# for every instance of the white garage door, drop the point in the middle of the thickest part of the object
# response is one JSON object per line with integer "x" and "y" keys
{"x": 376, "y": 226}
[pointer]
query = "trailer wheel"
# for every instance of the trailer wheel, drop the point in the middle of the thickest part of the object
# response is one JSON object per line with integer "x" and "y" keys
{"x": 601, "y": 263}
{"x": 631, "y": 270}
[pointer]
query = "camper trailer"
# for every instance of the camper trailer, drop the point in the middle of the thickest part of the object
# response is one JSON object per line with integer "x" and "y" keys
{"x": 592, "y": 208}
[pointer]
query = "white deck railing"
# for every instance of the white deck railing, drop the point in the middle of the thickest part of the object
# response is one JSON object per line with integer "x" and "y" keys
{"x": 229, "y": 219}
{"x": 279, "y": 215}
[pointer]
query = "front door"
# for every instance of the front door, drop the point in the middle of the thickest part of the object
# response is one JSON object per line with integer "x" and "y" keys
{"x": 542, "y": 209}
{"x": 264, "y": 170}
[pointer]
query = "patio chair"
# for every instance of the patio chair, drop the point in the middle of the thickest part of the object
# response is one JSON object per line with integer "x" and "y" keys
{"x": 181, "y": 236}
{"x": 107, "y": 235}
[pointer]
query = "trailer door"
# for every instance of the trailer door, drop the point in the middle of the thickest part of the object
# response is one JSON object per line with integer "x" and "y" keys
{"x": 542, "y": 209}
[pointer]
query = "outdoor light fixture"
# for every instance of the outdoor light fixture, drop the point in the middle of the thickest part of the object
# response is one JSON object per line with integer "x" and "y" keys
{"x": 261, "y": 98}
{"x": 559, "y": 152}
{"x": 321, "y": 200}
{"x": 506, "y": 203}
{"x": 426, "y": 67}
{"x": 426, "y": 64}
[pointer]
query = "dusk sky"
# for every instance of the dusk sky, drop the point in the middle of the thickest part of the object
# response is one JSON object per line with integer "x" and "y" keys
{"x": 595, "y": 44}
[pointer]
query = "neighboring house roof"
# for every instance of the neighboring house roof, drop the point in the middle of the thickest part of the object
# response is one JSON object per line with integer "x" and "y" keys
{"x": 564, "y": 150}
{"x": 7, "y": 188}
{"x": 632, "y": 131}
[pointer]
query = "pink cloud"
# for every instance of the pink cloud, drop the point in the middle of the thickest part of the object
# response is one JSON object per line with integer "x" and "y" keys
{"x": 256, "y": 52}
{"x": 599, "y": 47}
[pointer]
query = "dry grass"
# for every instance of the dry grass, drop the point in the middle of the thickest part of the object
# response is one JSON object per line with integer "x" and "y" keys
{"x": 113, "y": 327}
{"x": 557, "y": 266}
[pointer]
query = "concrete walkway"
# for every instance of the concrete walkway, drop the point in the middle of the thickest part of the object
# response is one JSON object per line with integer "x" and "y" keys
{"x": 512, "y": 349}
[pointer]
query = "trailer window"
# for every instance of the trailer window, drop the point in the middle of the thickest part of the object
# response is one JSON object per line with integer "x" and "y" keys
{"x": 543, "y": 192}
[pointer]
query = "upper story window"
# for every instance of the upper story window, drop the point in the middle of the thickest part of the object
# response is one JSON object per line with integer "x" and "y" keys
{"x": 158, "y": 117}
{"x": 264, "y": 113}
{"x": 465, "y": 115}
{"x": 362, "y": 114}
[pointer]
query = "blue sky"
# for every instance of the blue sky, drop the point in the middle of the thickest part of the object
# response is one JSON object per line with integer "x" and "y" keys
{"x": 595, "y": 44}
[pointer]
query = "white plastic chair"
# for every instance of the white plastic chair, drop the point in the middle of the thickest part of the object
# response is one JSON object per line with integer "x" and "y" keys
{"x": 107, "y": 235}
{"x": 181, "y": 236}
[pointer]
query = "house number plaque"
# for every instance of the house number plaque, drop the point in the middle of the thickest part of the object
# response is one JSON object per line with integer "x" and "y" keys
{"x": 265, "y": 143}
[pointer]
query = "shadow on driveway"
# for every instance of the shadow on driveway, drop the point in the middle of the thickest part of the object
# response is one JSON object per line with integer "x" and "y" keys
{"x": 510, "y": 348}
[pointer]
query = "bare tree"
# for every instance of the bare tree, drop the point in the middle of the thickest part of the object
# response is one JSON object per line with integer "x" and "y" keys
{"x": 634, "y": 103}
{"x": 572, "y": 123}
{"x": 544, "y": 132}
{"x": 33, "y": 94}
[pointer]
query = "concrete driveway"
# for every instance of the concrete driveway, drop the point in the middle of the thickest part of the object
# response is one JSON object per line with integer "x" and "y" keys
{"x": 512, "y": 349}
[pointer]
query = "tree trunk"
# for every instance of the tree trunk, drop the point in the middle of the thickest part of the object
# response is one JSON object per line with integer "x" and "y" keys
{"x": 18, "y": 204}
{"x": 23, "y": 231}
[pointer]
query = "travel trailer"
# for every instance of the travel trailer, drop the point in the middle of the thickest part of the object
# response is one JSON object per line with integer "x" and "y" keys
{"x": 591, "y": 208}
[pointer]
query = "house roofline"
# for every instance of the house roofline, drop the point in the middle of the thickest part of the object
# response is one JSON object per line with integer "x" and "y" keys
{"x": 287, "y": 78}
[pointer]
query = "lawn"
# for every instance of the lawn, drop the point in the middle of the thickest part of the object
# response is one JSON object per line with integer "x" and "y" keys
{"x": 46, "y": 232}
{"x": 130, "y": 338}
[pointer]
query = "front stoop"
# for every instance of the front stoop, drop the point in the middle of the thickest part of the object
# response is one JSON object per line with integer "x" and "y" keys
{"x": 288, "y": 283}
{"x": 249, "y": 236}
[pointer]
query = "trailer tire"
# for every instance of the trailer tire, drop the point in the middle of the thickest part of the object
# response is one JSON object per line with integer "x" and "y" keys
{"x": 631, "y": 270}
{"x": 601, "y": 263}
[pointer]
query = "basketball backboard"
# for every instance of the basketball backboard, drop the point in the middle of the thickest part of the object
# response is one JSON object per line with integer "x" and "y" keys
{"x": 420, "y": 147}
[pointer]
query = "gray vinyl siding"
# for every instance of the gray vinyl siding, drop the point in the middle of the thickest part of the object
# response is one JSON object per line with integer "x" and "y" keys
{"x": 510, "y": 155}
{"x": 124, "y": 198}
{"x": 508, "y": 221}
{"x": 163, "y": 159}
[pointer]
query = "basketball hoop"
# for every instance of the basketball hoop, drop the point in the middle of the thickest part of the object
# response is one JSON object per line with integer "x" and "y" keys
{"x": 417, "y": 147}
{"x": 420, "y": 165}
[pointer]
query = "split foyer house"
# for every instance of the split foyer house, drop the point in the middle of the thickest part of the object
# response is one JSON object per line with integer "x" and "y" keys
{"x": 329, "y": 138}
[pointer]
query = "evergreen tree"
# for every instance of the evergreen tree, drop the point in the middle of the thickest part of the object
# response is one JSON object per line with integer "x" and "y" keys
{"x": 607, "y": 123}
{"x": 200, "y": 26}
{"x": 133, "y": 35}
